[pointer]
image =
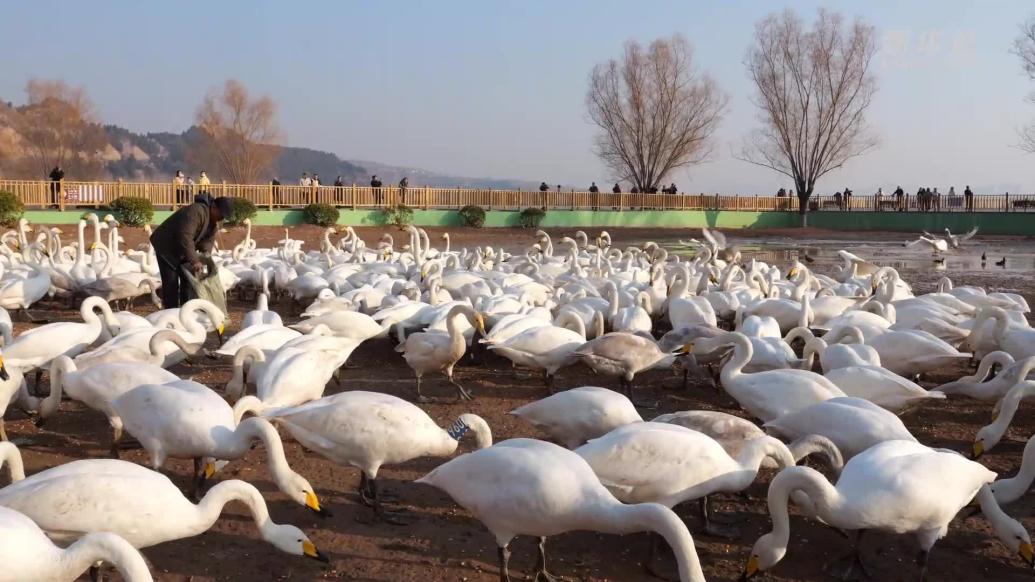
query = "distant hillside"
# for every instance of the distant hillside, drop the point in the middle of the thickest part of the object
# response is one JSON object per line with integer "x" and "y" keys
{"x": 418, "y": 177}
{"x": 134, "y": 156}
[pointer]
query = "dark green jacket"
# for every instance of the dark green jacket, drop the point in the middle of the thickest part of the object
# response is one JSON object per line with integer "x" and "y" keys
{"x": 185, "y": 234}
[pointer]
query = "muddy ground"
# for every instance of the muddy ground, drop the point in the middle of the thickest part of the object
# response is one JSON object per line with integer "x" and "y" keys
{"x": 445, "y": 543}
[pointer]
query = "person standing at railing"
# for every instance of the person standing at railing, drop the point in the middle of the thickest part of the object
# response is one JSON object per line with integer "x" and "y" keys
{"x": 339, "y": 190}
{"x": 839, "y": 201}
{"x": 617, "y": 189}
{"x": 543, "y": 187}
{"x": 900, "y": 195}
{"x": 182, "y": 240}
{"x": 316, "y": 181}
{"x": 56, "y": 176}
{"x": 937, "y": 197}
{"x": 848, "y": 199}
{"x": 203, "y": 179}
{"x": 968, "y": 198}
{"x": 275, "y": 188}
{"x": 403, "y": 184}
{"x": 593, "y": 188}
{"x": 376, "y": 185}
{"x": 178, "y": 184}
{"x": 305, "y": 181}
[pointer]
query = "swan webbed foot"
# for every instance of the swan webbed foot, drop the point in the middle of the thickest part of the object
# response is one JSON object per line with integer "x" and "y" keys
{"x": 461, "y": 392}
{"x": 541, "y": 575}
{"x": 371, "y": 496}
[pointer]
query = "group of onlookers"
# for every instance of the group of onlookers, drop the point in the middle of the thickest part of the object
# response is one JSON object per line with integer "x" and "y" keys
{"x": 617, "y": 189}
{"x": 185, "y": 186}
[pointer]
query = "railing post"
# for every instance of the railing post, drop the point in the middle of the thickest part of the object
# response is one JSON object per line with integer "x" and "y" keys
{"x": 269, "y": 196}
{"x": 61, "y": 194}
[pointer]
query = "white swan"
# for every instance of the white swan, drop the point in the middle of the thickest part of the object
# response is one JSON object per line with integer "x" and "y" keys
{"x": 186, "y": 420}
{"x": 545, "y": 348}
{"x": 191, "y": 330}
{"x": 97, "y": 387}
{"x": 39, "y": 346}
{"x": 370, "y": 429}
{"x": 979, "y": 386}
{"x": 897, "y": 486}
{"x": 511, "y": 487}
{"x": 647, "y": 462}
{"x": 990, "y": 435}
{"x": 28, "y": 554}
{"x": 577, "y": 415}
{"x": 153, "y": 355}
{"x": 881, "y": 387}
{"x": 138, "y": 504}
{"x": 293, "y": 375}
{"x": 853, "y": 424}
{"x": 767, "y": 395}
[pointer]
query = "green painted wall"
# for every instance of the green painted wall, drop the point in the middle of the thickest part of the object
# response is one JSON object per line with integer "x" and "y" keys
{"x": 988, "y": 222}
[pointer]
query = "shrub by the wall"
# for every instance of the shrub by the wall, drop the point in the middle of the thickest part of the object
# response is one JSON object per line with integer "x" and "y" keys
{"x": 321, "y": 214}
{"x": 532, "y": 217}
{"x": 473, "y": 216}
{"x": 401, "y": 215}
{"x": 240, "y": 209}
{"x": 11, "y": 209}
{"x": 132, "y": 210}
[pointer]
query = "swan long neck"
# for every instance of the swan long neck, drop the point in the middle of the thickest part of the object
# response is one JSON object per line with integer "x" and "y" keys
{"x": 742, "y": 352}
{"x": 757, "y": 450}
{"x": 256, "y": 428}
{"x": 244, "y": 356}
{"x": 104, "y": 547}
{"x": 59, "y": 371}
{"x": 1016, "y": 486}
{"x": 10, "y": 456}
{"x": 622, "y": 519}
{"x": 824, "y": 497}
{"x": 211, "y": 506}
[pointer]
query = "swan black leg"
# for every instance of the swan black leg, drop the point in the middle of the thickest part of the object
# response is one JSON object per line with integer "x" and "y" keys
{"x": 421, "y": 397}
{"x": 364, "y": 490}
{"x": 710, "y": 526}
{"x": 196, "y": 479}
{"x": 504, "y": 556}
{"x": 461, "y": 393}
{"x": 390, "y": 517}
{"x": 541, "y": 575}
{"x": 851, "y": 564}
{"x": 548, "y": 381}
{"x": 95, "y": 574}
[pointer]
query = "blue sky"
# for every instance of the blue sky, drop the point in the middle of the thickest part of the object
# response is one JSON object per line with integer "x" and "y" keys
{"x": 497, "y": 88}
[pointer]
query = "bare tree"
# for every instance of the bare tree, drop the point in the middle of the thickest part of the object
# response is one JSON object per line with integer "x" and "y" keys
{"x": 57, "y": 127}
{"x": 656, "y": 113}
{"x": 1024, "y": 47}
{"x": 813, "y": 90}
{"x": 241, "y": 133}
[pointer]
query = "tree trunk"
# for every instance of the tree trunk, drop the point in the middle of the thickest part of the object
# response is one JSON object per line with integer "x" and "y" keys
{"x": 803, "y": 202}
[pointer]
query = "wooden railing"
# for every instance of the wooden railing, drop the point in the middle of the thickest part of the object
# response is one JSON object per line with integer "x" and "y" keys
{"x": 73, "y": 194}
